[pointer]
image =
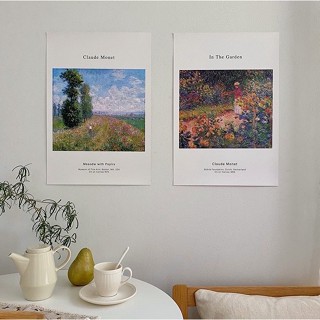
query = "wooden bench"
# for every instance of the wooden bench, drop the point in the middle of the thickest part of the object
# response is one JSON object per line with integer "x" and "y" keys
{"x": 184, "y": 297}
{"x": 21, "y": 315}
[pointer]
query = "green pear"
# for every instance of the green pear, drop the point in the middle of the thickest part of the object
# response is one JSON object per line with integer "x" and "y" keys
{"x": 80, "y": 271}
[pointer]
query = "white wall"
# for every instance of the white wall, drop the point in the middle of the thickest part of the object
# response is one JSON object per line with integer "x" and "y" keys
{"x": 194, "y": 235}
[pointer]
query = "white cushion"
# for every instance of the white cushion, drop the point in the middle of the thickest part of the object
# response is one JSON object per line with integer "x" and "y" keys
{"x": 218, "y": 305}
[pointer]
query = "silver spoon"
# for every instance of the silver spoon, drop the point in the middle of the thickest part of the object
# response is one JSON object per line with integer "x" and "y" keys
{"x": 124, "y": 253}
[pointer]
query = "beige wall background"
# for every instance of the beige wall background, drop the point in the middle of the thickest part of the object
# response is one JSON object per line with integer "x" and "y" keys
{"x": 194, "y": 235}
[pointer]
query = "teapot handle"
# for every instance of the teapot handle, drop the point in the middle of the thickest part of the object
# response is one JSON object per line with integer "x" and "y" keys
{"x": 67, "y": 258}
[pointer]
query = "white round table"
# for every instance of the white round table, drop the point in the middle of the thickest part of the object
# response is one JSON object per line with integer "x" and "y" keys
{"x": 148, "y": 303}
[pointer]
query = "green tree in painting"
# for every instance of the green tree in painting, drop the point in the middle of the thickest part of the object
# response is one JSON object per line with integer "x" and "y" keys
{"x": 86, "y": 102}
{"x": 71, "y": 109}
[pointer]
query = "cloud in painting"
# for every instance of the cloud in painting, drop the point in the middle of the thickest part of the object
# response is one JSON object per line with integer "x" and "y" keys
{"x": 119, "y": 74}
{"x": 125, "y": 97}
{"x": 120, "y": 99}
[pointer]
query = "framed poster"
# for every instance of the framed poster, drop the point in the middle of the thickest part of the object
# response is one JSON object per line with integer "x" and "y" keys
{"x": 98, "y": 108}
{"x": 226, "y": 106}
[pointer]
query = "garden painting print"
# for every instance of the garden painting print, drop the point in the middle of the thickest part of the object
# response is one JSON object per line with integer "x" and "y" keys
{"x": 98, "y": 109}
{"x": 225, "y": 109}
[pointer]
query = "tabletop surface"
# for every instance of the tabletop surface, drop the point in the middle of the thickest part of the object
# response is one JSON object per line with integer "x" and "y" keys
{"x": 148, "y": 303}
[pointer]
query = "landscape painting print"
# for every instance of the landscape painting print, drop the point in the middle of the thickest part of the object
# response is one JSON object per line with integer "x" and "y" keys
{"x": 225, "y": 109}
{"x": 98, "y": 109}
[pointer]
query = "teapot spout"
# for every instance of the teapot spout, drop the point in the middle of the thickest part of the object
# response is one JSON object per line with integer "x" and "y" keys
{"x": 20, "y": 261}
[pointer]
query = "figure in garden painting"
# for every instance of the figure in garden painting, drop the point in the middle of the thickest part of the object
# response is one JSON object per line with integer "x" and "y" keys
{"x": 225, "y": 109}
{"x": 237, "y": 98}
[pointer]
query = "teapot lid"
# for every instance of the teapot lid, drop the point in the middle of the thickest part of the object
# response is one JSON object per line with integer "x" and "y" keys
{"x": 39, "y": 248}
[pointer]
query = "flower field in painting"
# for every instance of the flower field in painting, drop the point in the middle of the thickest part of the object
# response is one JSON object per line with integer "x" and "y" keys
{"x": 225, "y": 109}
{"x": 101, "y": 133}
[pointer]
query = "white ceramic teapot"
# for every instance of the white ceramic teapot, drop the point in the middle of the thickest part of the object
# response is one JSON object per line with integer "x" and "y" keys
{"x": 38, "y": 272}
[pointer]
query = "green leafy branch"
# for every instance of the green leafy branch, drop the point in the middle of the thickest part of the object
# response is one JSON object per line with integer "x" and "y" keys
{"x": 41, "y": 210}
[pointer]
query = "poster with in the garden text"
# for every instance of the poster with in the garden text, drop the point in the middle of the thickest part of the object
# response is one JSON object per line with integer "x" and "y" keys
{"x": 226, "y": 107}
{"x": 98, "y": 108}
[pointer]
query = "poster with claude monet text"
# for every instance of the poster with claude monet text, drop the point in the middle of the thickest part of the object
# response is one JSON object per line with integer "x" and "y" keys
{"x": 98, "y": 108}
{"x": 226, "y": 107}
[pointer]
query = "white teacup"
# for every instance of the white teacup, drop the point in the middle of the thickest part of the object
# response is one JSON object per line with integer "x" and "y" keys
{"x": 108, "y": 280}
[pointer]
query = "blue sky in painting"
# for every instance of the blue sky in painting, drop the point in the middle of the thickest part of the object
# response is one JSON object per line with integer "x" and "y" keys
{"x": 112, "y": 90}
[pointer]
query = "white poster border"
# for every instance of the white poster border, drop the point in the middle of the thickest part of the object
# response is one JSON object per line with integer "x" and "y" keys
{"x": 99, "y": 50}
{"x": 227, "y": 167}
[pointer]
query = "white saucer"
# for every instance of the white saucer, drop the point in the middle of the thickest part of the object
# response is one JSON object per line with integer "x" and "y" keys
{"x": 89, "y": 293}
